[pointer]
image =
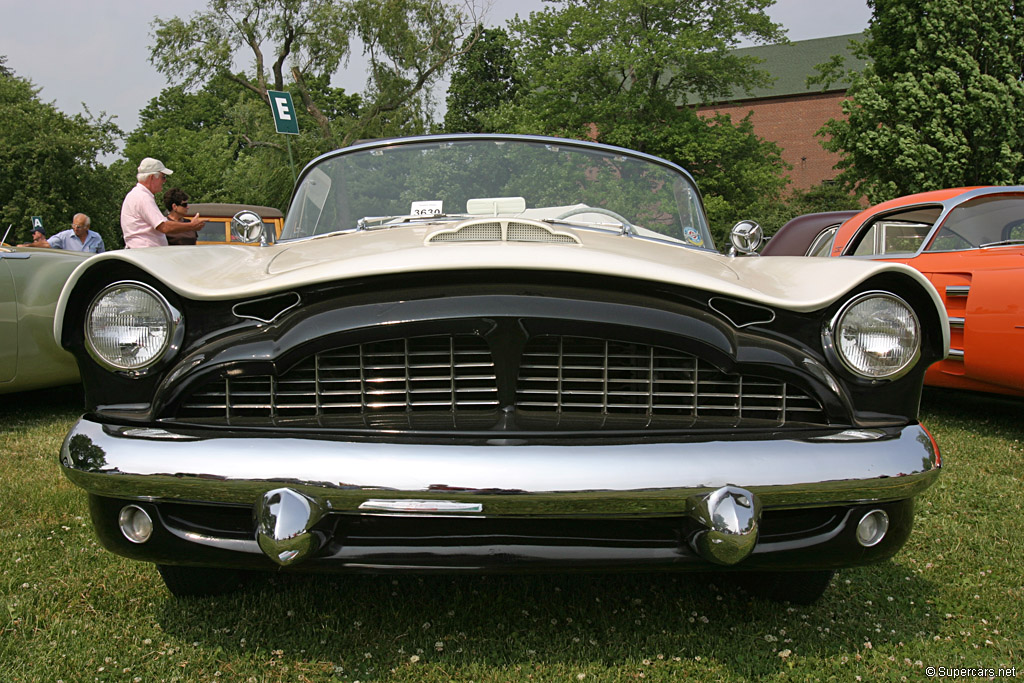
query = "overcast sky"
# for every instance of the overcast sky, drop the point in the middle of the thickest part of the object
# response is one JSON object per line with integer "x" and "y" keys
{"x": 97, "y": 52}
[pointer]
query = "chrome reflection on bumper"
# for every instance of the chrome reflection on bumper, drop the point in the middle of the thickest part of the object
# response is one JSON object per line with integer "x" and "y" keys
{"x": 630, "y": 480}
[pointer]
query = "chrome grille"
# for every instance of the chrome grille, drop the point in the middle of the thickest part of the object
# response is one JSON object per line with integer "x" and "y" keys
{"x": 576, "y": 382}
{"x": 451, "y": 382}
{"x": 431, "y": 382}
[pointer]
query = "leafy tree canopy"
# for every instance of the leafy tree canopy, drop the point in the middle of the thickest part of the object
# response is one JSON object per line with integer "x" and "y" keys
{"x": 484, "y": 77}
{"x": 49, "y": 163}
{"x": 942, "y": 102}
{"x": 300, "y": 44}
{"x": 626, "y": 71}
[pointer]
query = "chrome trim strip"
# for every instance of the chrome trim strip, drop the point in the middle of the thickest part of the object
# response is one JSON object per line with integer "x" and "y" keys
{"x": 957, "y": 323}
{"x": 956, "y": 354}
{"x": 957, "y": 290}
{"x": 234, "y": 544}
{"x": 627, "y": 480}
{"x": 284, "y": 309}
{"x": 403, "y": 505}
{"x": 769, "y": 319}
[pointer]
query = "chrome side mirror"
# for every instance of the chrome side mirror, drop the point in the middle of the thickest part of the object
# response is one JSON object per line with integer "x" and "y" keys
{"x": 746, "y": 238}
{"x": 247, "y": 226}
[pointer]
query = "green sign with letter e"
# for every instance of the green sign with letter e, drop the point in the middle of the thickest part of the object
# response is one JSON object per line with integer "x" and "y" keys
{"x": 284, "y": 112}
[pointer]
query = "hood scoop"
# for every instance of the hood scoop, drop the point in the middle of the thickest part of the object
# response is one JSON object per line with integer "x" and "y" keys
{"x": 502, "y": 230}
{"x": 267, "y": 309}
{"x": 741, "y": 314}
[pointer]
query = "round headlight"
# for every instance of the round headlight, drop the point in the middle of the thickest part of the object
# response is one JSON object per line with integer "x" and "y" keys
{"x": 877, "y": 335}
{"x": 130, "y": 326}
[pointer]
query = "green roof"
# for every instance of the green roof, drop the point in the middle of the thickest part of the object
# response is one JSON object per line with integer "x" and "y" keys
{"x": 790, "y": 64}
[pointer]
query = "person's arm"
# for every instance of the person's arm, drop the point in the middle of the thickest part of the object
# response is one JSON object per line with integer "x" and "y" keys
{"x": 41, "y": 244}
{"x": 171, "y": 227}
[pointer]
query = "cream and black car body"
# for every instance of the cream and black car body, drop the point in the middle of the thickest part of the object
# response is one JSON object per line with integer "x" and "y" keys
{"x": 498, "y": 353}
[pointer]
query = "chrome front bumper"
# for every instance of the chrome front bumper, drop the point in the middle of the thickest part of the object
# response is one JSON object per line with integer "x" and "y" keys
{"x": 632, "y": 480}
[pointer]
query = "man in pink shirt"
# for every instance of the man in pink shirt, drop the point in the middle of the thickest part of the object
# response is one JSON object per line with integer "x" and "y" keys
{"x": 142, "y": 222}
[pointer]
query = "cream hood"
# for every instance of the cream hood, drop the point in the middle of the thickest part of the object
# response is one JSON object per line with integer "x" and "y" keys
{"x": 214, "y": 272}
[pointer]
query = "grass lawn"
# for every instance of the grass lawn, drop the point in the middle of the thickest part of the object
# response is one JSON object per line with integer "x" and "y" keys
{"x": 952, "y": 598}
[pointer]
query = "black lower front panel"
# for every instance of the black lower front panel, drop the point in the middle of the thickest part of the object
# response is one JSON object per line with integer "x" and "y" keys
{"x": 224, "y": 536}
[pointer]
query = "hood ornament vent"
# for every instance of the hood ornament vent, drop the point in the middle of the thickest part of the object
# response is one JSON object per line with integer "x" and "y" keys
{"x": 741, "y": 314}
{"x": 502, "y": 230}
{"x": 268, "y": 309}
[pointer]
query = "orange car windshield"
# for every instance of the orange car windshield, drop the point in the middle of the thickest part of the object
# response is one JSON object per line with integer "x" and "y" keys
{"x": 986, "y": 221}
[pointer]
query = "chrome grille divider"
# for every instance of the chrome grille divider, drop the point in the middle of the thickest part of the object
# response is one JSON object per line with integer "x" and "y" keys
{"x": 317, "y": 389}
{"x": 650, "y": 383}
{"x": 362, "y": 386}
{"x": 227, "y": 400}
{"x": 408, "y": 382}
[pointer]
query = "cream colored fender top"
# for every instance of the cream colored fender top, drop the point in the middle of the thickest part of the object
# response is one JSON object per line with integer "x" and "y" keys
{"x": 215, "y": 272}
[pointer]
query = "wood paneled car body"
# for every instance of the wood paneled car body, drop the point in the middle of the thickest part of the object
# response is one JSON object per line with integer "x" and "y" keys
{"x": 498, "y": 353}
{"x": 218, "y": 227}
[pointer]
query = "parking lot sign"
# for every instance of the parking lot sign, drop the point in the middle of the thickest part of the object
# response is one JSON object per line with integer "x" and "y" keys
{"x": 284, "y": 112}
{"x": 37, "y": 223}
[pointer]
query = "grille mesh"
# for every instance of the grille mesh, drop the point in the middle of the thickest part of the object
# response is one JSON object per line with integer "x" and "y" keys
{"x": 451, "y": 382}
{"x": 422, "y": 382}
{"x": 496, "y": 231}
{"x": 528, "y": 232}
{"x": 580, "y": 382}
{"x": 475, "y": 232}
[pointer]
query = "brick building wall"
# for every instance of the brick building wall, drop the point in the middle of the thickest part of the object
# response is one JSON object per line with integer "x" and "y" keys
{"x": 791, "y": 122}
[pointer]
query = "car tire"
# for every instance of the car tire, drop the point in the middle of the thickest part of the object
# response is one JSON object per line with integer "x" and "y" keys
{"x": 185, "y": 582}
{"x": 799, "y": 588}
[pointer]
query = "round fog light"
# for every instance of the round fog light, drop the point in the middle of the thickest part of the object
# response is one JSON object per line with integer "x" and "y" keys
{"x": 135, "y": 524}
{"x": 872, "y": 527}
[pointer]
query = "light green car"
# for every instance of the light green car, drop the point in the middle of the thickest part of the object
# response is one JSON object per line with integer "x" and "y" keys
{"x": 30, "y": 283}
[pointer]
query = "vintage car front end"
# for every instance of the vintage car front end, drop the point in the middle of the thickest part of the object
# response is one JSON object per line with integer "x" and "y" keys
{"x": 563, "y": 376}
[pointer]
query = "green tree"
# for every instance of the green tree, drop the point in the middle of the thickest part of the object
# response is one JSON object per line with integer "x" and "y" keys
{"x": 221, "y": 142}
{"x": 49, "y": 163}
{"x": 485, "y": 76}
{"x": 628, "y": 72}
{"x": 942, "y": 102}
{"x": 409, "y": 44}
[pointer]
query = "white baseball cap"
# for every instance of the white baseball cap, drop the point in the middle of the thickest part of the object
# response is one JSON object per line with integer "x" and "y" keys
{"x": 150, "y": 165}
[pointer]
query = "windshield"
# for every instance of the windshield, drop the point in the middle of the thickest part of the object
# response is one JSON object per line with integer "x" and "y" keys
{"x": 987, "y": 221}
{"x": 558, "y": 181}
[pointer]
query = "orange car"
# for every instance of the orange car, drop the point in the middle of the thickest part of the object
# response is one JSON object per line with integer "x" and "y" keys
{"x": 970, "y": 243}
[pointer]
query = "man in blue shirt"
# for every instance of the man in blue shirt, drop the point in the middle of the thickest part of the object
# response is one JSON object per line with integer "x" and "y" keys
{"x": 79, "y": 237}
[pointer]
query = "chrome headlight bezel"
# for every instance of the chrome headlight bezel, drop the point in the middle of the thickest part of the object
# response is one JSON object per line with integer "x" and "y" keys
{"x": 832, "y": 339}
{"x": 167, "y": 348}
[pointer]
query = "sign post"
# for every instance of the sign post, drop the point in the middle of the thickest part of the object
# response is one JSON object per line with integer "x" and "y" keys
{"x": 285, "y": 121}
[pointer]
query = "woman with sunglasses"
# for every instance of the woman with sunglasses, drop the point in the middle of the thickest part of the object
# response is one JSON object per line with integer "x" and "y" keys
{"x": 176, "y": 202}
